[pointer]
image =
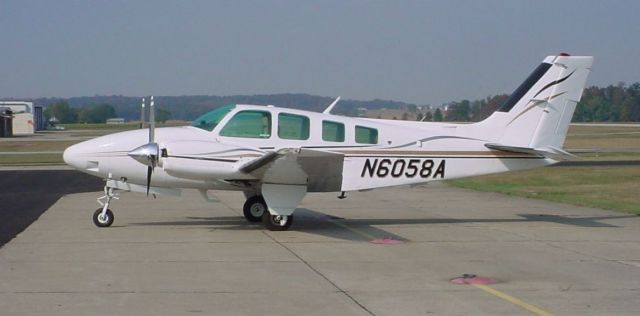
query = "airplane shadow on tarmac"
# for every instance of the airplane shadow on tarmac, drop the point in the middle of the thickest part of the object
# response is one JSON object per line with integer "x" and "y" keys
{"x": 305, "y": 220}
{"x": 365, "y": 229}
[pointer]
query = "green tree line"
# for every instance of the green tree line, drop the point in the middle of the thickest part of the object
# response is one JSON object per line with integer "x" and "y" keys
{"x": 64, "y": 113}
{"x": 619, "y": 103}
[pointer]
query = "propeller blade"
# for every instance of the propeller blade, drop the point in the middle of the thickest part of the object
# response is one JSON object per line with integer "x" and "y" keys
{"x": 152, "y": 120}
{"x": 149, "y": 172}
{"x": 142, "y": 115}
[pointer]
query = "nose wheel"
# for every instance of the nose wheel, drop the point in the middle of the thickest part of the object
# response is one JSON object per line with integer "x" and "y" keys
{"x": 103, "y": 219}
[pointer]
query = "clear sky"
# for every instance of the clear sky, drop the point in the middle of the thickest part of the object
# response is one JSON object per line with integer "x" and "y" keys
{"x": 424, "y": 52}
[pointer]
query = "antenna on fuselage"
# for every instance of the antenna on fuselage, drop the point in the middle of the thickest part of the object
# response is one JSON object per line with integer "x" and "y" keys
{"x": 330, "y": 107}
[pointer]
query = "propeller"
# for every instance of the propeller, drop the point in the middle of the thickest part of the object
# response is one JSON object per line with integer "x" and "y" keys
{"x": 148, "y": 153}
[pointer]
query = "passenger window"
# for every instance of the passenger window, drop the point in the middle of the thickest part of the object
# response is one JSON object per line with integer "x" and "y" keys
{"x": 366, "y": 135}
{"x": 249, "y": 124}
{"x": 292, "y": 126}
{"x": 332, "y": 131}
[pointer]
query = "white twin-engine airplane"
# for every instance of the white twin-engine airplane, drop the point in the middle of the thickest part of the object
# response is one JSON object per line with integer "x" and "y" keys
{"x": 277, "y": 155}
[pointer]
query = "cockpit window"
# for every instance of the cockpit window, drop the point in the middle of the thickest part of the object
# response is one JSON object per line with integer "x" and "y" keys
{"x": 210, "y": 120}
{"x": 249, "y": 124}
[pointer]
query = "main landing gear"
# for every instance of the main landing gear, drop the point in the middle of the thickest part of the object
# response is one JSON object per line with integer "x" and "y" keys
{"x": 255, "y": 210}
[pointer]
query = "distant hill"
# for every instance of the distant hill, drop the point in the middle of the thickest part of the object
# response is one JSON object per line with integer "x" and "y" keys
{"x": 613, "y": 103}
{"x": 189, "y": 107}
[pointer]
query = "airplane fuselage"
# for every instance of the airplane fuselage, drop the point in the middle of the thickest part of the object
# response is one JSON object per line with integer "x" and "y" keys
{"x": 277, "y": 155}
{"x": 369, "y": 153}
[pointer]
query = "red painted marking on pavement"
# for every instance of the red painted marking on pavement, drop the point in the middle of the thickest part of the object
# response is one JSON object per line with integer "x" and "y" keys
{"x": 473, "y": 279}
{"x": 386, "y": 241}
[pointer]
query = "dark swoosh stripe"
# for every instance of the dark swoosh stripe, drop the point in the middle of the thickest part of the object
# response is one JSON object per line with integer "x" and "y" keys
{"x": 202, "y": 158}
{"x": 553, "y": 83}
{"x": 524, "y": 88}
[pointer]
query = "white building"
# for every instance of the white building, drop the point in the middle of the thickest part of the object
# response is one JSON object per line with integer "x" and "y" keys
{"x": 27, "y": 118}
{"x": 115, "y": 120}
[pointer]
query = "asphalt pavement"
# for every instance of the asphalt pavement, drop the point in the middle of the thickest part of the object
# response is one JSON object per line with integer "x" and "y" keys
{"x": 26, "y": 194}
{"x": 428, "y": 250}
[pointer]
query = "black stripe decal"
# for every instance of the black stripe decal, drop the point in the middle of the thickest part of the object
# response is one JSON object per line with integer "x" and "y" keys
{"x": 524, "y": 87}
{"x": 448, "y": 157}
{"x": 553, "y": 83}
{"x": 207, "y": 159}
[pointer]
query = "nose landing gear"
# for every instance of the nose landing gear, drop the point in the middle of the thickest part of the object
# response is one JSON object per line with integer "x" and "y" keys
{"x": 103, "y": 217}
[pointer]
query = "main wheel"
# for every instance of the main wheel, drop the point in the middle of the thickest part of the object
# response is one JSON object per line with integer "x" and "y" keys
{"x": 277, "y": 222}
{"x": 103, "y": 221}
{"x": 254, "y": 208}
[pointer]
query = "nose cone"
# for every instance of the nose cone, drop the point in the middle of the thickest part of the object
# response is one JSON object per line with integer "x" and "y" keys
{"x": 73, "y": 156}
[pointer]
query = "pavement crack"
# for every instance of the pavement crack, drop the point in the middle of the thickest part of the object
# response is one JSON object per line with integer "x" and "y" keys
{"x": 340, "y": 290}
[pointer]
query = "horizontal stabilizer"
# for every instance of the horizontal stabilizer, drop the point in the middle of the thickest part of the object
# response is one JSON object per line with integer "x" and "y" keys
{"x": 547, "y": 152}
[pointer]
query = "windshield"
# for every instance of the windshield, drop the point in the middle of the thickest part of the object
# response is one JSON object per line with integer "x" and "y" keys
{"x": 210, "y": 120}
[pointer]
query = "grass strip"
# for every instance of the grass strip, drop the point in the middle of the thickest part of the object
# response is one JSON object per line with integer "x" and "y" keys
{"x": 613, "y": 188}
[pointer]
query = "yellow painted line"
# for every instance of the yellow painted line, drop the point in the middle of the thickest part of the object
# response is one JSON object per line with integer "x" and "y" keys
{"x": 356, "y": 231}
{"x": 513, "y": 300}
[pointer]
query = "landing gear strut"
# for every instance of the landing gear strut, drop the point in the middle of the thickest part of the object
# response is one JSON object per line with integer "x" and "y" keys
{"x": 103, "y": 217}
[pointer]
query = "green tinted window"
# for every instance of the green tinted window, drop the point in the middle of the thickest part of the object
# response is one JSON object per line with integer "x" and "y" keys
{"x": 366, "y": 135}
{"x": 332, "y": 131}
{"x": 292, "y": 126}
{"x": 210, "y": 120}
{"x": 250, "y": 124}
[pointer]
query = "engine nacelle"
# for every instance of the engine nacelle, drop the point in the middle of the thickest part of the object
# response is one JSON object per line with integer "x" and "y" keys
{"x": 206, "y": 160}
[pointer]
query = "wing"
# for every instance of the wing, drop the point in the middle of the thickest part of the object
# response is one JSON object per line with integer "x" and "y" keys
{"x": 288, "y": 174}
{"x": 319, "y": 171}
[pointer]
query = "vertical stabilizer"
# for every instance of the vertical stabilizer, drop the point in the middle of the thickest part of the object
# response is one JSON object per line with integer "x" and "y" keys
{"x": 538, "y": 112}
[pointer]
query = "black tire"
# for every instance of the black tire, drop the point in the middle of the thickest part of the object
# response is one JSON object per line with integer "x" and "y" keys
{"x": 254, "y": 208}
{"x": 271, "y": 221}
{"x": 103, "y": 222}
